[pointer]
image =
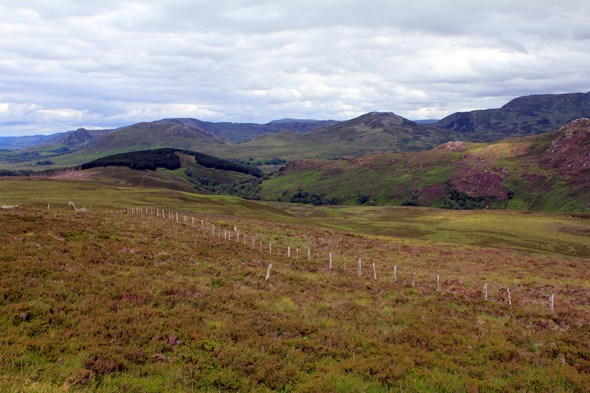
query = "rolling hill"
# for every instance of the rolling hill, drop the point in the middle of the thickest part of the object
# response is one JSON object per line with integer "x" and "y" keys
{"x": 549, "y": 172}
{"x": 244, "y": 132}
{"x": 529, "y": 115}
{"x": 372, "y": 132}
{"x": 153, "y": 135}
{"x": 173, "y": 169}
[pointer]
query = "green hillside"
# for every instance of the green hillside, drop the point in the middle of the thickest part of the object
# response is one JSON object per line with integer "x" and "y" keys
{"x": 373, "y": 132}
{"x": 144, "y": 136}
{"x": 549, "y": 172}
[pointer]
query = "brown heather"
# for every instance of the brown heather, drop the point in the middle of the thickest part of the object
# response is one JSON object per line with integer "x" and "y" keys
{"x": 103, "y": 301}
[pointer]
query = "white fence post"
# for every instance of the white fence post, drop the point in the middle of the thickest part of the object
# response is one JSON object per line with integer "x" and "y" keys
{"x": 359, "y": 272}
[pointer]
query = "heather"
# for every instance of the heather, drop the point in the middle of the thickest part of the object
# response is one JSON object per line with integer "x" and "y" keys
{"x": 113, "y": 301}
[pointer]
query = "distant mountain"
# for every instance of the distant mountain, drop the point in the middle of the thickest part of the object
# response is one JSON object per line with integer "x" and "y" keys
{"x": 427, "y": 121}
{"x": 289, "y": 120}
{"x": 75, "y": 140}
{"x": 20, "y": 142}
{"x": 243, "y": 132}
{"x": 154, "y": 135}
{"x": 369, "y": 133}
{"x": 522, "y": 116}
{"x": 549, "y": 172}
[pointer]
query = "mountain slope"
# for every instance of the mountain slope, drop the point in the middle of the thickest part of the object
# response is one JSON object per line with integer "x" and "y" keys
{"x": 549, "y": 172}
{"x": 522, "y": 116}
{"x": 366, "y": 134}
{"x": 243, "y": 132}
{"x": 144, "y": 136}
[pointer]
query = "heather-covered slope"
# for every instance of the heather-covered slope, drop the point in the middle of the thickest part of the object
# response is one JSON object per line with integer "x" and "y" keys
{"x": 549, "y": 172}
{"x": 110, "y": 302}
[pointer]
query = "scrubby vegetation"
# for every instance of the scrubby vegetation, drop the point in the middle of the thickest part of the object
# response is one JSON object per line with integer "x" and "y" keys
{"x": 245, "y": 188}
{"x": 117, "y": 302}
{"x": 458, "y": 200}
{"x": 307, "y": 198}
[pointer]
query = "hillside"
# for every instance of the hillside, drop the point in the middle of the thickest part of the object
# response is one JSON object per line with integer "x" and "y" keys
{"x": 144, "y": 136}
{"x": 549, "y": 172}
{"x": 74, "y": 140}
{"x": 522, "y": 116}
{"x": 372, "y": 132}
{"x": 110, "y": 301}
{"x": 244, "y": 132}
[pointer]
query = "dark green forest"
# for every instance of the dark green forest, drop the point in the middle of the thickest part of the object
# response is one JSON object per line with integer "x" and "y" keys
{"x": 167, "y": 158}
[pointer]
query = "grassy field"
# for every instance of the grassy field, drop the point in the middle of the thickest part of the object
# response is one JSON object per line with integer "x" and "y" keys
{"x": 103, "y": 301}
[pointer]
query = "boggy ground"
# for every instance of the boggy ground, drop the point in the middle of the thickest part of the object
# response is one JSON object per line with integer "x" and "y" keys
{"x": 103, "y": 301}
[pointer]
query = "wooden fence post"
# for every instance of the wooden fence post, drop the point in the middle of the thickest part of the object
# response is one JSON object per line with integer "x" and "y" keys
{"x": 289, "y": 251}
{"x": 202, "y": 225}
{"x": 395, "y": 274}
{"x": 509, "y": 300}
{"x": 374, "y": 271}
{"x": 551, "y": 300}
{"x": 308, "y": 254}
{"x": 413, "y": 279}
{"x": 330, "y": 261}
{"x": 359, "y": 272}
{"x": 193, "y": 222}
{"x": 437, "y": 283}
{"x": 268, "y": 271}
{"x": 485, "y": 291}
{"x": 269, "y": 247}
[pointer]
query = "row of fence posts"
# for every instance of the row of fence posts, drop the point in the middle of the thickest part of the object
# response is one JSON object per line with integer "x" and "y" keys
{"x": 227, "y": 236}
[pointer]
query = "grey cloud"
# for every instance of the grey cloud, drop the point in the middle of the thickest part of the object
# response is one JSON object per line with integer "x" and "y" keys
{"x": 109, "y": 63}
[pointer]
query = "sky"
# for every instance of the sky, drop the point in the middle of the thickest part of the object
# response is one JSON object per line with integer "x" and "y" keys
{"x": 66, "y": 64}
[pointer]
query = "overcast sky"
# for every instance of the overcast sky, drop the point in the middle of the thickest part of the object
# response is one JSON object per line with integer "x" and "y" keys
{"x": 66, "y": 64}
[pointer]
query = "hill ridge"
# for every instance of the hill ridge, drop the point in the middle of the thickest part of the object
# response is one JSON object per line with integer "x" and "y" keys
{"x": 548, "y": 172}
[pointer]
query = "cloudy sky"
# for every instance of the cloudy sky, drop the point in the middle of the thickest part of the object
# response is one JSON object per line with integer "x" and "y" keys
{"x": 66, "y": 64}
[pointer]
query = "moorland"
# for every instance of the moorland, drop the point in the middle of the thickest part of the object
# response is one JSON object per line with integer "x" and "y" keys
{"x": 110, "y": 300}
{"x": 370, "y": 255}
